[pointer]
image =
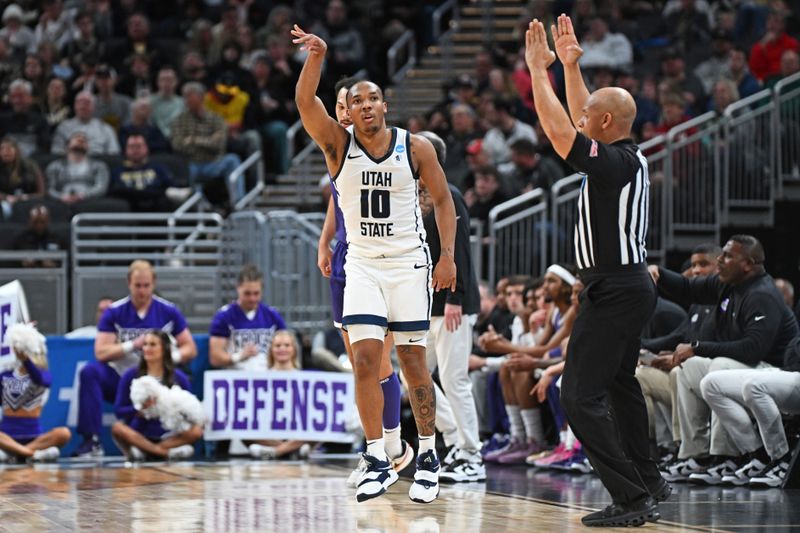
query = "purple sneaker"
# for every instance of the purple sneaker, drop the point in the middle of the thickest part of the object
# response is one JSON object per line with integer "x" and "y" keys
{"x": 497, "y": 442}
{"x": 518, "y": 456}
{"x": 511, "y": 446}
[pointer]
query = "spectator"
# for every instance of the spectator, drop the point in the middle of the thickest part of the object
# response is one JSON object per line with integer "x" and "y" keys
{"x": 20, "y": 178}
{"x": 15, "y": 33}
{"x": 224, "y": 32}
{"x": 273, "y": 109}
{"x": 141, "y": 124}
{"x": 790, "y": 64}
{"x": 231, "y": 102}
{"x": 502, "y": 84}
{"x": 462, "y": 132}
{"x": 166, "y": 104}
{"x": 90, "y": 331}
{"x": 24, "y": 393}
{"x": 486, "y": 194}
{"x": 194, "y": 68}
{"x": 38, "y": 236}
{"x": 786, "y": 289}
{"x": 229, "y": 65}
{"x": 505, "y": 129}
{"x": 10, "y": 69}
{"x": 715, "y": 66}
{"x": 673, "y": 68}
{"x": 241, "y": 332}
{"x": 345, "y": 46}
{"x": 55, "y": 24}
{"x": 118, "y": 347}
{"x": 283, "y": 66}
{"x": 33, "y": 70}
{"x": 200, "y": 136}
{"x": 738, "y": 71}
{"x": 529, "y": 169}
{"x": 54, "y": 106}
{"x": 284, "y": 355}
{"x": 765, "y": 56}
{"x": 687, "y": 26}
{"x": 138, "y": 80}
{"x": 139, "y": 436}
{"x": 137, "y": 40}
{"x": 110, "y": 106}
{"x": 201, "y": 39}
{"x": 138, "y": 181}
{"x": 723, "y": 94}
{"x": 484, "y": 62}
{"x": 602, "y": 48}
{"x": 23, "y": 123}
{"x": 77, "y": 175}
{"x": 673, "y": 112}
{"x": 84, "y": 43}
{"x": 51, "y": 62}
{"x": 752, "y": 328}
{"x": 102, "y": 139}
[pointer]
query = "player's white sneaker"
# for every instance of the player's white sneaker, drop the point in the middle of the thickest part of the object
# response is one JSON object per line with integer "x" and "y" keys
{"x": 425, "y": 487}
{"x": 355, "y": 475}
{"x": 259, "y": 451}
{"x": 378, "y": 476}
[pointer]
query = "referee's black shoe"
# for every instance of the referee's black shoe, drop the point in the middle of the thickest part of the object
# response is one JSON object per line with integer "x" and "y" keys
{"x": 618, "y": 515}
{"x": 661, "y": 491}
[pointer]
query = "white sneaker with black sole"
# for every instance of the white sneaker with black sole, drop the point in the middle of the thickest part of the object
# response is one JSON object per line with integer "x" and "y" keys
{"x": 773, "y": 476}
{"x": 464, "y": 468}
{"x": 425, "y": 487}
{"x": 681, "y": 469}
{"x": 742, "y": 476}
{"x": 376, "y": 479}
{"x": 713, "y": 474}
{"x": 355, "y": 475}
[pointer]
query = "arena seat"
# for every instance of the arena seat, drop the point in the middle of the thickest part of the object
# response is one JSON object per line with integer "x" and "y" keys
{"x": 59, "y": 211}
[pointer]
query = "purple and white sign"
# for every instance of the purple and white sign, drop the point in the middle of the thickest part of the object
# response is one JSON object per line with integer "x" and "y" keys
{"x": 13, "y": 309}
{"x": 298, "y": 405}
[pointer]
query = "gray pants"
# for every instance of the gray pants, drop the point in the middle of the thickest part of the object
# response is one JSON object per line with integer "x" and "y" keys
{"x": 660, "y": 390}
{"x": 694, "y": 412}
{"x": 480, "y": 380}
{"x": 765, "y": 393}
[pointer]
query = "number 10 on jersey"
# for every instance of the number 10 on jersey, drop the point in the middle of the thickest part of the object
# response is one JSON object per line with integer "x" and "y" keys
{"x": 375, "y": 204}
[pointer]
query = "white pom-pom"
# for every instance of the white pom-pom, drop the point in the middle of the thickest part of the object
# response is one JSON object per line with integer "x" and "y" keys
{"x": 178, "y": 410}
{"x": 26, "y": 339}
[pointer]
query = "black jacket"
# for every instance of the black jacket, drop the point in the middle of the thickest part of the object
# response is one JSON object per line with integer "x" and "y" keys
{"x": 466, "y": 294}
{"x": 689, "y": 330}
{"x": 751, "y": 321}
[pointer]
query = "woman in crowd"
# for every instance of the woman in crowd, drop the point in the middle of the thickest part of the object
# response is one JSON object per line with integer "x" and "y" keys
{"x": 20, "y": 178}
{"x": 284, "y": 354}
{"x": 137, "y": 436}
{"x": 24, "y": 392}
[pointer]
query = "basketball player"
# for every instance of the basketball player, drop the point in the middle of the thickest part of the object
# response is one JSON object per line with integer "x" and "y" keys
{"x": 118, "y": 347}
{"x": 375, "y": 170}
{"x": 332, "y": 266}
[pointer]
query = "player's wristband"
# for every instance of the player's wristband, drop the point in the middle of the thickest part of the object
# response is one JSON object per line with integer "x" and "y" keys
{"x": 236, "y": 357}
{"x": 127, "y": 347}
{"x": 176, "y": 356}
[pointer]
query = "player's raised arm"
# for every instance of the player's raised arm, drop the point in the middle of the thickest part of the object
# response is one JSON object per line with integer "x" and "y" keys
{"x": 432, "y": 175}
{"x": 325, "y": 131}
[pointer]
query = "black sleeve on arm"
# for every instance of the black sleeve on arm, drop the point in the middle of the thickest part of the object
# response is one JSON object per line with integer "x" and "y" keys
{"x": 760, "y": 322}
{"x": 703, "y": 290}
{"x": 461, "y": 255}
{"x": 670, "y": 341}
{"x": 603, "y": 163}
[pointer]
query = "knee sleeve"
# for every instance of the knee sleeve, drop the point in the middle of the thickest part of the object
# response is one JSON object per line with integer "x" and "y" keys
{"x": 413, "y": 338}
{"x": 360, "y": 332}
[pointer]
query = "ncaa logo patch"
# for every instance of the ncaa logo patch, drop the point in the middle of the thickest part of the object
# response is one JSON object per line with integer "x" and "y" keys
{"x": 593, "y": 149}
{"x": 400, "y": 149}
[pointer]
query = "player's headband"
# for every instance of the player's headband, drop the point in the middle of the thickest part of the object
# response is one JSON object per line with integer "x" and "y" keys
{"x": 562, "y": 273}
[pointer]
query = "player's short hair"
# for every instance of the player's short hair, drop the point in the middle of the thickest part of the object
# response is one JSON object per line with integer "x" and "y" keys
{"x": 350, "y": 90}
{"x": 438, "y": 145}
{"x": 345, "y": 83}
{"x": 708, "y": 248}
{"x": 249, "y": 273}
{"x": 140, "y": 265}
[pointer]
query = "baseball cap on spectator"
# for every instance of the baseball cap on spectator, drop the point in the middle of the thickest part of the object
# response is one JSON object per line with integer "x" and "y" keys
{"x": 13, "y": 11}
{"x": 475, "y": 147}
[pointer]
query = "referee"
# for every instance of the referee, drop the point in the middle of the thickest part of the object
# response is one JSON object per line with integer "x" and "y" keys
{"x": 599, "y": 392}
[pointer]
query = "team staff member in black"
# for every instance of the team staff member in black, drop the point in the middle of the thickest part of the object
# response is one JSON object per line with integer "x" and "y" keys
{"x": 599, "y": 392}
{"x": 453, "y": 315}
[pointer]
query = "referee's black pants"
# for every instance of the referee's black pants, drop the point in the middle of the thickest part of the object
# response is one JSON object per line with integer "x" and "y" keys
{"x": 599, "y": 392}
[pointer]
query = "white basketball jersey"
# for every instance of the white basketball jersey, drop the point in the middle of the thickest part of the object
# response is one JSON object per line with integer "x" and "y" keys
{"x": 378, "y": 199}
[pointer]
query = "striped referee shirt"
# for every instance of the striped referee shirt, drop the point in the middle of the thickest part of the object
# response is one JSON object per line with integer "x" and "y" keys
{"x": 613, "y": 207}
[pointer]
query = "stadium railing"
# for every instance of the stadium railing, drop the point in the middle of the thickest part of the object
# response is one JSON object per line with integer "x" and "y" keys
{"x": 186, "y": 250}
{"x": 787, "y": 128}
{"x": 563, "y": 216}
{"x": 519, "y": 231}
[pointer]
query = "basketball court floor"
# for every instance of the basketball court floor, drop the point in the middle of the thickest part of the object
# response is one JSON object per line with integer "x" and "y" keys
{"x": 242, "y": 495}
